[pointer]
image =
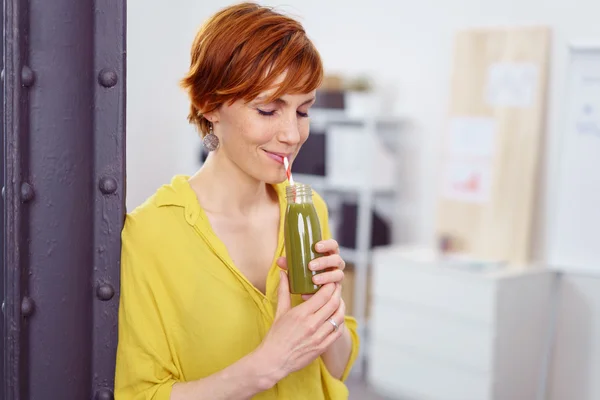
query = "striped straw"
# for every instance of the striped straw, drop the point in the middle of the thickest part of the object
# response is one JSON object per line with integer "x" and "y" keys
{"x": 288, "y": 170}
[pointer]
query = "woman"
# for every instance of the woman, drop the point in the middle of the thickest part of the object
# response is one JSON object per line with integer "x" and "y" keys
{"x": 205, "y": 310}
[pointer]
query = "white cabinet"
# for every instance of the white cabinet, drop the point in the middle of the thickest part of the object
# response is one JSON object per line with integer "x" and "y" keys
{"x": 452, "y": 331}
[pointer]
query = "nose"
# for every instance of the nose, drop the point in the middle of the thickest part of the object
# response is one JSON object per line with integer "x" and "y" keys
{"x": 290, "y": 131}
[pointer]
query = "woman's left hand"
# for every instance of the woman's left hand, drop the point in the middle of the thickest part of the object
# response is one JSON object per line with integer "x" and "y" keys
{"x": 331, "y": 264}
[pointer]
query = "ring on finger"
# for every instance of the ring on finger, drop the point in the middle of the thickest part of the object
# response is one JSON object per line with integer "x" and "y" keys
{"x": 335, "y": 325}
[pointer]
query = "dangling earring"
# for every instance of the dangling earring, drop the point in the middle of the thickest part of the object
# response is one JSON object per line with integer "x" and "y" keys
{"x": 210, "y": 141}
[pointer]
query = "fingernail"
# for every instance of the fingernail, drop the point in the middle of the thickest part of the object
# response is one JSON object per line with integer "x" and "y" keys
{"x": 319, "y": 246}
{"x": 317, "y": 279}
{"x": 312, "y": 265}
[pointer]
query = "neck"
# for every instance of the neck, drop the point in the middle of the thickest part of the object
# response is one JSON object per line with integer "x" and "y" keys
{"x": 223, "y": 188}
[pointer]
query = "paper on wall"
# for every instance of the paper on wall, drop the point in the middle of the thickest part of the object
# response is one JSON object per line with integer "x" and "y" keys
{"x": 511, "y": 84}
{"x": 469, "y": 151}
{"x": 467, "y": 180}
{"x": 471, "y": 136}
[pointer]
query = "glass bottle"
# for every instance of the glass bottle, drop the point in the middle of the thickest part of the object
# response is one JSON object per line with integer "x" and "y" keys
{"x": 302, "y": 231}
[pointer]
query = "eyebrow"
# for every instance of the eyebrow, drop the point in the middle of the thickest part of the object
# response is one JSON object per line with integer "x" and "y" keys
{"x": 283, "y": 102}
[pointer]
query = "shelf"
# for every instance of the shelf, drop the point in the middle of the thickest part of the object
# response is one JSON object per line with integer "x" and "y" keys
{"x": 352, "y": 255}
{"x": 328, "y": 116}
{"x": 321, "y": 184}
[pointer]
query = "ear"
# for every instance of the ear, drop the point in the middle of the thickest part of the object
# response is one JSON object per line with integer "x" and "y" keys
{"x": 212, "y": 116}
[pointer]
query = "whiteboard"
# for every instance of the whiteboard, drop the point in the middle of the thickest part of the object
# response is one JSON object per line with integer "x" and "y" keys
{"x": 575, "y": 229}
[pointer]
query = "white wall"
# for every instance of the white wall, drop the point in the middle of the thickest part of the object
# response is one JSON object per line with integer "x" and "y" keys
{"x": 160, "y": 142}
{"x": 407, "y": 46}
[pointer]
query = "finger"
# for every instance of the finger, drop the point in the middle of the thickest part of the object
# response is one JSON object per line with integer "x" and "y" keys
{"x": 284, "y": 302}
{"x": 327, "y": 246}
{"x": 340, "y": 315}
{"x": 335, "y": 276}
{"x": 327, "y": 327}
{"x": 330, "y": 338}
{"x": 305, "y": 297}
{"x": 330, "y": 307}
{"x": 321, "y": 263}
{"x": 318, "y": 300}
{"x": 282, "y": 262}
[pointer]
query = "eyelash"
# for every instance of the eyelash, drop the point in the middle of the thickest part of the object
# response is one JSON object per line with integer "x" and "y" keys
{"x": 271, "y": 113}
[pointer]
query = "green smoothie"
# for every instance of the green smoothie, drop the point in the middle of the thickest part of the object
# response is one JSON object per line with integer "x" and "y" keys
{"x": 302, "y": 231}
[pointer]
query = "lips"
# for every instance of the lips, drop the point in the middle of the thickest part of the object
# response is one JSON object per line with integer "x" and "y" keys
{"x": 277, "y": 156}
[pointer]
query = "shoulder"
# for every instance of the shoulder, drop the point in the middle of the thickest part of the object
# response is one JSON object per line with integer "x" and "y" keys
{"x": 142, "y": 226}
{"x": 150, "y": 222}
{"x": 143, "y": 218}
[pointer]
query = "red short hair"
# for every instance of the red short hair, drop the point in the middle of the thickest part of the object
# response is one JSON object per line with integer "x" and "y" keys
{"x": 240, "y": 51}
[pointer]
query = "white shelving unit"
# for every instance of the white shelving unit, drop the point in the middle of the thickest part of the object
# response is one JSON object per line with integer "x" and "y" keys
{"x": 366, "y": 190}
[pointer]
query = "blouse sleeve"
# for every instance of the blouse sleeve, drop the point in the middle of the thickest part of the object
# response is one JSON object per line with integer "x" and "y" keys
{"x": 144, "y": 366}
{"x": 350, "y": 321}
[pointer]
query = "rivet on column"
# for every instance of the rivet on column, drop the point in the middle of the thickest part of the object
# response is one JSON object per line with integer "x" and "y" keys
{"x": 107, "y": 78}
{"x": 108, "y": 185}
{"x": 27, "y": 192}
{"x": 104, "y": 394}
{"x": 27, "y": 76}
{"x": 105, "y": 292}
{"x": 27, "y": 306}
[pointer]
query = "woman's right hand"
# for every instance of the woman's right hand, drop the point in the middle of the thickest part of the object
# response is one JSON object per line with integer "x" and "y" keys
{"x": 302, "y": 333}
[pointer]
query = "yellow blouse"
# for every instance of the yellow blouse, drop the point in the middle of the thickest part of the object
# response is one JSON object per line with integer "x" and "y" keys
{"x": 187, "y": 312}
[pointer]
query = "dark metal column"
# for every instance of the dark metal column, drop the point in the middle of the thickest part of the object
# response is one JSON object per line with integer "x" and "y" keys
{"x": 64, "y": 131}
{"x": 109, "y": 186}
{"x": 2, "y": 201}
{"x": 16, "y": 132}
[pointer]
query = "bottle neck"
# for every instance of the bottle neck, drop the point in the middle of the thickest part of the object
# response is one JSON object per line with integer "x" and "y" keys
{"x": 299, "y": 193}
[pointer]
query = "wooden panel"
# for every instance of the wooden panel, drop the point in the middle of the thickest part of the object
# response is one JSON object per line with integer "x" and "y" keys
{"x": 498, "y": 227}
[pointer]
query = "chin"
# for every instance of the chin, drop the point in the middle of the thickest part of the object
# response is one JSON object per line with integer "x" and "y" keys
{"x": 272, "y": 178}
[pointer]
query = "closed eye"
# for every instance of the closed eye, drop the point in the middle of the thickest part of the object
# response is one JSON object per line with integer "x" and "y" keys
{"x": 271, "y": 113}
{"x": 266, "y": 113}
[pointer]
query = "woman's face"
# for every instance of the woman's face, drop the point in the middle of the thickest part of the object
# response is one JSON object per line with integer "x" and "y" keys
{"x": 255, "y": 136}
